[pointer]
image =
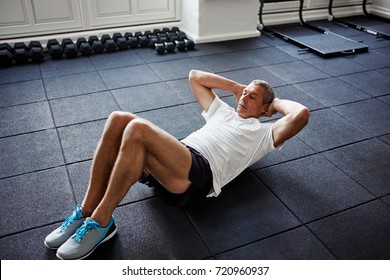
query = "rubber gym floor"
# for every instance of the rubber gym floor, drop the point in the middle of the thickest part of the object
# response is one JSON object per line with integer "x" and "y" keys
{"x": 326, "y": 195}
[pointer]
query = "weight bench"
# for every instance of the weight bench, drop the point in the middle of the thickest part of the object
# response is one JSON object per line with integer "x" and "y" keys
{"x": 312, "y": 38}
{"x": 369, "y": 23}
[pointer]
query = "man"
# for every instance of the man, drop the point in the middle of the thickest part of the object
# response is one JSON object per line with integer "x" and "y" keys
{"x": 132, "y": 149}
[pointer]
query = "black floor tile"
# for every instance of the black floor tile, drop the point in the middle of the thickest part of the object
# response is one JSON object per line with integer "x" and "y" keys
{"x": 267, "y": 56}
{"x": 372, "y": 82}
{"x": 245, "y": 44}
{"x": 21, "y": 93}
{"x": 385, "y": 99}
{"x": 79, "y": 175}
{"x": 30, "y": 152}
{"x": 386, "y": 200}
{"x": 27, "y": 245}
{"x": 385, "y": 138}
{"x": 151, "y": 56}
{"x": 73, "y": 110}
{"x": 182, "y": 88}
{"x": 25, "y": 118}
{"x": 296, "y": 244}
{"x": 292, "y": 149}
{"x": 297, "y": 53}
{"x": 360, "y": 233}
{"x": 337, "y": 66}
{"x": 71, "y": 85}
{"x": 153, "y": 230}
{"x": 372, "y": 59}
{"x": 225, "y": 62}
{"x": 292, "y": 93}
{"x": 309, "y": 192}
{"x": 327, "y": 130}
{"x": 20, "y": 73}
{"x": 177, "y": 69}
{"x": 245, "y": 76}
{"x": 228, "y": 221}
{"x": 179, "y": 121}
{"x": 367, "y": 163}
{"x": 371, "y": 115}
{"x": 80, "y": 141}
{"x": 332, "y": 91}
{"x": 116, "y": 60}
{"x": 296, "y": 72}
{"x": 128, "y": 76}
{"x": 146, "y": 97}
{"x": 62, "y": 67}
{"x": 44, "y": 197}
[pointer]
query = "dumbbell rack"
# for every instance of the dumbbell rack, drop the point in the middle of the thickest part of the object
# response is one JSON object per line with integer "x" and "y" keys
{"x": 163, "y": 41}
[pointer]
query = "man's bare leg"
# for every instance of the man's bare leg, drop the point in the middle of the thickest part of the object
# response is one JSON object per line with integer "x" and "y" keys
{"x": 144, "y": 146}
{"x": 104, "y": 159}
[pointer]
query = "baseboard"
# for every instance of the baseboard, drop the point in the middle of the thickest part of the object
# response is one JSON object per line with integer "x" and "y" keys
{"x": 224, "y": 36}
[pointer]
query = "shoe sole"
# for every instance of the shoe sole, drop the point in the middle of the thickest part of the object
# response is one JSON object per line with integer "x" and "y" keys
{"x": 108, "y": 237}
{"x": 51, "y": 248}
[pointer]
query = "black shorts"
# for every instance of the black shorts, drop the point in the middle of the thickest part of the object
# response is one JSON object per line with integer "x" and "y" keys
{"x": 201, "y": 179}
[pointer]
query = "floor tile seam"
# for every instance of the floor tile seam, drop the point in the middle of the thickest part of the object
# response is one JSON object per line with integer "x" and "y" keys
{"x": 24, "y": 104}
{"x": 62, "y": 149}
{"x": 316, "y": 152}
{"x": 277, "y": 197}
{"x": 78, "y": 95}
{"x": 258, "y": 240}
{"x": 45, "y": 77}
{"x": 22, "y": 81}
{"x": 198, "y": 233}
{"x": 31, "y": 172}
{"x": 27, "y": 132}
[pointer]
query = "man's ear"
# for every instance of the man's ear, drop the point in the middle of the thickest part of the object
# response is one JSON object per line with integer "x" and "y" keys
{"x": 265, "y": 108}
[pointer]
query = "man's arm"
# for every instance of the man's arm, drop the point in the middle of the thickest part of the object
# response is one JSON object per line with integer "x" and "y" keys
{"x": 296, "y": 116}
{"x": 202, "y": 84}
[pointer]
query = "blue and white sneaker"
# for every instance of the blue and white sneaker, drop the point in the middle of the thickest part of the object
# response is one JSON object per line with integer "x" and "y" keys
{"x": 86, "y": 239}
{"x": 58, "y": 237}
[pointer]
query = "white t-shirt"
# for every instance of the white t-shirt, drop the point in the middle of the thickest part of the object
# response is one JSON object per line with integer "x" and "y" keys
{"x": 230, "y": 143}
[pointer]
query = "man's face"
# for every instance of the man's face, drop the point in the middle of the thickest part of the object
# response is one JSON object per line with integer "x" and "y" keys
{"x": 251, "y": 102}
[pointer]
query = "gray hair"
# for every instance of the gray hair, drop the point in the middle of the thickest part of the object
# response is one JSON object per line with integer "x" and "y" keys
{"x": 268, "y": 90}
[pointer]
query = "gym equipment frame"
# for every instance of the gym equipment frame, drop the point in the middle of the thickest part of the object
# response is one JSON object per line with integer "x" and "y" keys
{"x": 378, "y": 29}
{"x": 312, "y": 38}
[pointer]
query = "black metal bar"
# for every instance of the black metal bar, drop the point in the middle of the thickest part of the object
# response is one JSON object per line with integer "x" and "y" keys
{"x": 359, "y": 27}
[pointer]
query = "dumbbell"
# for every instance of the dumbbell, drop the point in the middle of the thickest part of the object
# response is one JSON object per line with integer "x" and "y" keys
{"x": 69, "y": 47}
{"x": 120, "y": 41}
{"x": 175, "y": 29}
{"x": 35, "y": 51}
{"x": 55, "y": 49}
{"x": 6, "y": 54}
{"x": 152, "y": 41}
{"x": 20, "y": 53}
{"x": 189, "y": 44}
{"x": 160, "y": 48}
{"x": 108, "y": 43}
{"x": 180, "y": 45}
{"x": 96, "y": 45}
{"x": 170, "y": 47}
{"x": 84, "y": 47}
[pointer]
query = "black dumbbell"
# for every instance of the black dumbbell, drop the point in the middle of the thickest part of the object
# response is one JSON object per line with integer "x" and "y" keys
{"x": 133, "y": 42}
{"x": 165, "y": 30}
{"x": 189, "y": 44}
{"x": 181, "y": 36}
{"x": 143, "y": 41}
{"x": 127, "y": 35}
{"x": 97, "y": 46}
{"x": 156, "y": 31}
{"x": 122, "y": 43}
{"x": 170, "y": 47}
{"x": 116, "y": 36}
{"x": 152, "y": 41}
{"x": 55, "y": 49}
{"x": 148, "y": 33}
{"x": 180, "y": 45}
{"x": 6, "y": 54}
{"x": 175, "y": 29}
{"x": 160, "y": 48}
{"x": 84, "y": 47}
{"x": 91, "y": 39}
{"x": 108, "y": 43}
{"x": 35, "y": 51}
{"x": 21, "y": 53}
{"x": 70, "y": 48}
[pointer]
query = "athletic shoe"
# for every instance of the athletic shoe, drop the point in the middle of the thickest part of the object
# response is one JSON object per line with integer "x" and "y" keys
{"x": 86, "y": 239}
{"x": 58, "y": 237}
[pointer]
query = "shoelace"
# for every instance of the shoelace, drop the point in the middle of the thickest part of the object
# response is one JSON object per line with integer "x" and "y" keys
{"x": 75, "y": 216}
{"x": 88, "y": 225}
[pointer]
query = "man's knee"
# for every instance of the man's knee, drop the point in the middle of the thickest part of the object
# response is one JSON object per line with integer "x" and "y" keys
{"x": 119, "y": 117}
{"x": 137, "y": 130}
